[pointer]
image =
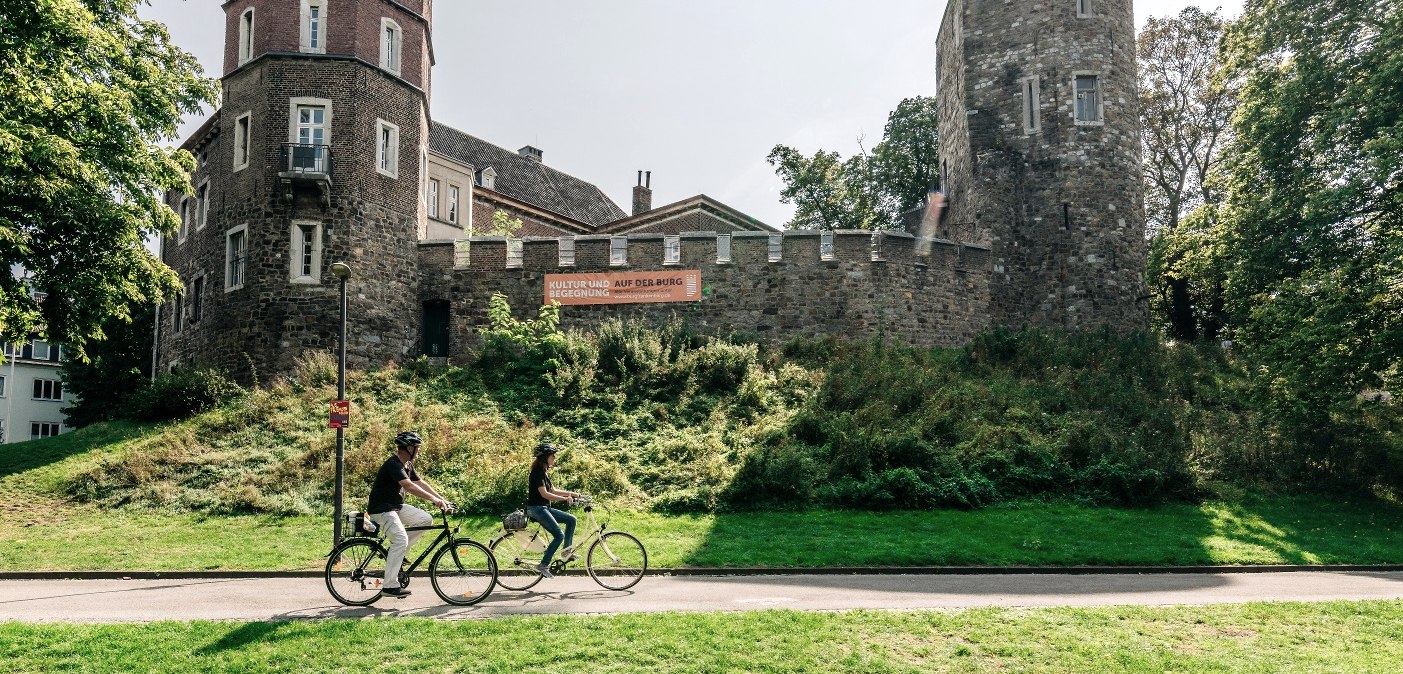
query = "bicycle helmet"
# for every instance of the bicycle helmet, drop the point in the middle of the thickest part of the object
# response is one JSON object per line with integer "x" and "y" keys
{"x": 546, "y": 449}
{"x": 407, "y": 439}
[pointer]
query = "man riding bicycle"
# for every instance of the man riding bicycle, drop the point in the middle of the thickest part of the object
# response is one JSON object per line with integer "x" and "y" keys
{"x": 387, "y": 507}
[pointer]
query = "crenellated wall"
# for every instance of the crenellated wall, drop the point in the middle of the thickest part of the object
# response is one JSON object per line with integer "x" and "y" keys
{"x": 869, "y": 285}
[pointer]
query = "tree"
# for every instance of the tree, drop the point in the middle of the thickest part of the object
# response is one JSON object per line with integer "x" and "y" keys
{"x": 502, "y": 225}
{"x": 87, "y": 91}
{"x": 1313, "y": 220}
{"x": 865, "y": 191}
{"x": 117, "y": 366}
{"x": 1186, "y": 106}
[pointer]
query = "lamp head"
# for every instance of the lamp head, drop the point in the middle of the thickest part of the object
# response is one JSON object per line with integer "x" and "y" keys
{"x": 341, "y": 270}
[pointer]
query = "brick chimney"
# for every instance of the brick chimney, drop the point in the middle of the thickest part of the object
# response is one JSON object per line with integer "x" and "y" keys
{"x": 531, "y": 153}
{"x": 643, "y": 194}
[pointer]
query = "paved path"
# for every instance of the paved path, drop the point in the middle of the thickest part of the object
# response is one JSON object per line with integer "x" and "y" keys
{"x": 111, "y": 601}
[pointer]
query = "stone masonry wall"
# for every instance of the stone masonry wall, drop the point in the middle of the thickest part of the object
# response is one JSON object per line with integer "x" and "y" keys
{"x": 862, "y": 291}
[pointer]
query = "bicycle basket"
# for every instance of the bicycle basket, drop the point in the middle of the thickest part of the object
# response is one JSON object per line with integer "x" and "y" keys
{"x": 514, "y": 520}
{"x": 361, "y": 524}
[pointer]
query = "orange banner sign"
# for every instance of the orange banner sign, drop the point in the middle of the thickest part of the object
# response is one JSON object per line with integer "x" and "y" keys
{"x": 624, "y": 287}
{"x": 340, "y": 413}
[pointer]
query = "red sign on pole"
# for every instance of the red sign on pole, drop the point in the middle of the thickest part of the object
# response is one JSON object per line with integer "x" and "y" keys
{"x": 340, "y": 413}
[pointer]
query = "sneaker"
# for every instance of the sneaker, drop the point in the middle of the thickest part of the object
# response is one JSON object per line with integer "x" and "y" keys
{"x": 395, "y": 592}
{"x": 544, "y": 570}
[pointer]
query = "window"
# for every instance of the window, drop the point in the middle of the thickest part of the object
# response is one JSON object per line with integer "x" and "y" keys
{"x": 242, "y": 128}
{"x": 184, "y": 218}
{"x": 1031, "y": 101}
{"x": 178, "y": 317}
{"x": 2, "y": 386}
{"x": 43, "y": 429}
{"x": 235, "y": 253}
{"x": 246, "y": 36}
{"x": 776, "y": 247}
{"x": 1088, "y": 99}
{"x": 825, "y": 246}
{"x": 390, "y": 39}
{"x": 2, "y": 430}
{"x": 618, "y": 251}
{"x": 672, "y": 249}
{"x": 433, "y": 198}
{"x": 197, "y": 304}
{"x": 387, "y": 148}
{"x": 41, "y": 350}
{"x": 515, "y": 253}
{"x": 48, "y": 389}
{"x": 567, "y": 252}
{"x": 306, "y": 252}
{"x": 1084, "y": 9}
{"x": 314, "y": 26}
{"x": 201, "y": 205}
{"x": 723, "y": 248}
{"x": 489, "y": 178}
{"x": 453, "y": 204}
{"x": 311, "y": 125}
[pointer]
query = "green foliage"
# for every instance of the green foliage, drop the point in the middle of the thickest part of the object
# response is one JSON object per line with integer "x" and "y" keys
{"x": 87, "y": 92}
{"x": 503, "y": 224}
{"x": 180, "y": 394}
{"x": 116, "y": 366}
{"x": 865, "y": 191}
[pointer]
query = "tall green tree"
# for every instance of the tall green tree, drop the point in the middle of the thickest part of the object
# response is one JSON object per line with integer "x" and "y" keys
{"x": 1186, "y": 104}
{"x": 867, "y": 190}
{"x": 1313, "y": 221}
{"x": 88, "y": 92}
{"x": 117, "y": 366}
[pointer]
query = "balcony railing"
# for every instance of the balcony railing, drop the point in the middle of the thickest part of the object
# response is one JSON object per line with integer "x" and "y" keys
{"x": 311, "y": 160}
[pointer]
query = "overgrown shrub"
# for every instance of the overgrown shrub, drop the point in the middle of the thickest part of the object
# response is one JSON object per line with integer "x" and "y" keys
{"x": 180, "y": 394}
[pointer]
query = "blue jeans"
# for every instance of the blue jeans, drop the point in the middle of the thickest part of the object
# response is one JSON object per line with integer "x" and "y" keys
{"x": 550, "y": 520}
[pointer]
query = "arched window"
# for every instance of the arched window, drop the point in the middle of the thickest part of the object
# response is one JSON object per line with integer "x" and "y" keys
{"x": 246, "y": 36}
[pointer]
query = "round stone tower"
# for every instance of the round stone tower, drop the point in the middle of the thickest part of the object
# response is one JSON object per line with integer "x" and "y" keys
{"x": 1040, "y": 156}
{"x": 315, "y": 156}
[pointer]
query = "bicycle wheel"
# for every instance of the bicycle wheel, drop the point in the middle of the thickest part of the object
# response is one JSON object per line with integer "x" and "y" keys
{"x": 617, "y": 560}
{"x": 356, "y": 571}
{"x": 518, "y": 553}
{"x": 463, "y": 572}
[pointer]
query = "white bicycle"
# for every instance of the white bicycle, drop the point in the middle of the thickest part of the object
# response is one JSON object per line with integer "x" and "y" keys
{"x": 616, "y": 560}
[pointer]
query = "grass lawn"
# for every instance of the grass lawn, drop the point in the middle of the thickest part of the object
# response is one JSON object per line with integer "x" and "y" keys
{"x": 1352, "y": 637}
{"x": 1294, "y": 530}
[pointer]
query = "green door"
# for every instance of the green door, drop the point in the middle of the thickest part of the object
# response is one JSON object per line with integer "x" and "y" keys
{"x": 436, "y": 328}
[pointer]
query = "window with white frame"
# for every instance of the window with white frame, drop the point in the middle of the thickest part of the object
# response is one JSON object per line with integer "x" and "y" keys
{"x": 567, "y": 252}
{"x": 672, "y": 249}
{"x": 1088, "y": 98}
{"x": 391, "y": 39}
{"x": 246, "y": 36}
{"x": 306, "y": 252}
{"x": 39, "y": 430}
{"x": 184, "y": 219}
{"x": 48, "y": 389}
{"x": 1084, "y": 9}
{"x": 197, "y": 303}
{"x": 387, "y": 148}
{"x": 314, "y": 26}
{"x": 515, "y": 252}
{"x": 433, "y": 197}
{"x": 489, "y": 178}
{"x": 2, "y": 431}
{"x": 723, "y": 248}
{"x": 453, "y": 204}
{"x": 201, "y": 205}
{"x": 243, "y": 126}
{"x": 825, "y": 246}
{"x": 311, "y": 125}
{"x": 1031, "y": 102}
{"x": 2, "y": 386}
{"x": 618, "y": 251}
{"x": 776, "y": 247}
{"x": 235, "y": 257}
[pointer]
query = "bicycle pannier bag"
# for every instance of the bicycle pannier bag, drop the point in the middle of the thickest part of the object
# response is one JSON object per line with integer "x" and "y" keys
{"x": 515, "y": 520}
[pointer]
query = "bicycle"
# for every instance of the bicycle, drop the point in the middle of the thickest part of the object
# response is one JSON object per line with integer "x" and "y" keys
{"x": 616, "y": 560}
{"x": 463, "y": 572}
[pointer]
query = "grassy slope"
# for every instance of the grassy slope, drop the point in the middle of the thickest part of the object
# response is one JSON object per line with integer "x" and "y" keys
{"x": 1332, "y": 637}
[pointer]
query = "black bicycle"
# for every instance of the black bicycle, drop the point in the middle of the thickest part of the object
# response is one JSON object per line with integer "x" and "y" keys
{"x": 463, "y": 571}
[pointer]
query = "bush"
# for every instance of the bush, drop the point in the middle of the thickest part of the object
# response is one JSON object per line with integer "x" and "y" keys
{"x": 180, "y": 394}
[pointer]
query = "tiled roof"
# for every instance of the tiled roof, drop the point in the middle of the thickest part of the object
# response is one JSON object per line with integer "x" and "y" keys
{"x": 527, "y": 180}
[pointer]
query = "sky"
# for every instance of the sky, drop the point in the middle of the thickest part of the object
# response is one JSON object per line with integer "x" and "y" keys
{"x": 696, "y": 92}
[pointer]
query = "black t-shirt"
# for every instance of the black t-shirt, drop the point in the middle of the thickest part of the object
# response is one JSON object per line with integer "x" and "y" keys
{"x": 386, "y": 494}
{"x": 539, "y": 479}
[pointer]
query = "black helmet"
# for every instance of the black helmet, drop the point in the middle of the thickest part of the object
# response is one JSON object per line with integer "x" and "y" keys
{"x": 546, "y": 449}
{"x": 408, "y": 438}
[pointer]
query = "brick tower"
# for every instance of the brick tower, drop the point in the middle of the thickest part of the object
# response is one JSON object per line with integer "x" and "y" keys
{"x": 1040, "y": 155}
{"x": 315, "y": 156}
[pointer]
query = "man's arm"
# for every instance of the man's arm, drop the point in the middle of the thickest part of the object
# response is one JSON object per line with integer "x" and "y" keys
{"x": 413, "y": 487}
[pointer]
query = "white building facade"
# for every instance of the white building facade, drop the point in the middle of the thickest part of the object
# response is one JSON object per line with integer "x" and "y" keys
{"x": 31, "y": 392}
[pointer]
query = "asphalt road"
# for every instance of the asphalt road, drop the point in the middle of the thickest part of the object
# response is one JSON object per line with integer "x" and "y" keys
{"x": 117, "y": 601}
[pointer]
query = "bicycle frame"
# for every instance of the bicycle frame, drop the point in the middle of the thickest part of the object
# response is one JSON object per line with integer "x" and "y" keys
{"x": 445, "y": 533}
{"x": 595, "y": 530}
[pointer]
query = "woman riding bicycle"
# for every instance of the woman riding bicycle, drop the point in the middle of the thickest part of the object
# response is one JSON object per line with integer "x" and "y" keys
{"x": 538, "y": 506}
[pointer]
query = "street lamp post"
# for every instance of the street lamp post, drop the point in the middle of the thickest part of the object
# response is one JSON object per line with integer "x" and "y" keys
{"x": 342, "y": 272}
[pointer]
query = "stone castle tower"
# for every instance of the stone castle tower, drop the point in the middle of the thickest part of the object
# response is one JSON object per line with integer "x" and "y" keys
{"x": 316, "y": 155}
{"x": 1040, "y": 156}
